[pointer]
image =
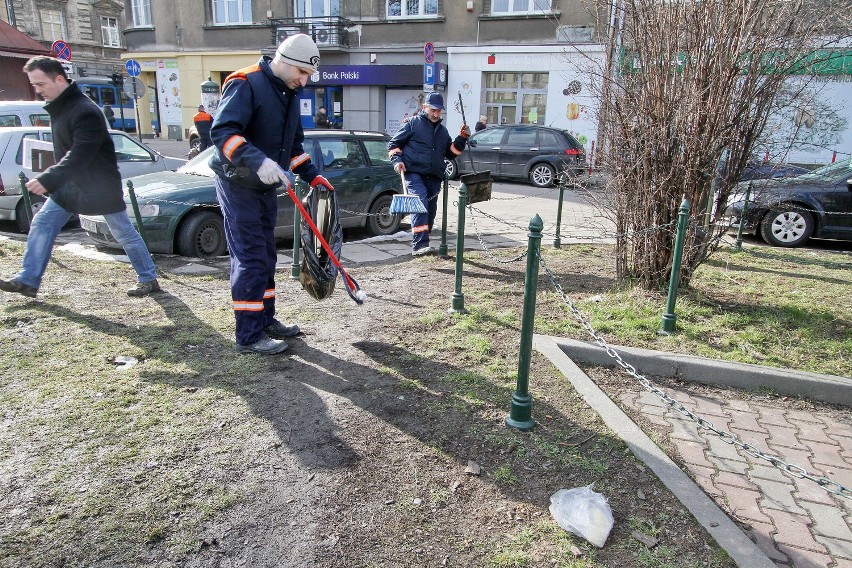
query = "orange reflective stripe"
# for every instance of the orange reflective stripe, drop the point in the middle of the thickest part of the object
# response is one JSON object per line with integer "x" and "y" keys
{"x": 455, "y": 150}
{"x": 269, "y": 293}
{"x": 231, "y": 145}
{"x": 299, "y": 160}
{"x": 248, "y": 306}
{"x": 420, "y": 229}
{"x": 240, "y": 74}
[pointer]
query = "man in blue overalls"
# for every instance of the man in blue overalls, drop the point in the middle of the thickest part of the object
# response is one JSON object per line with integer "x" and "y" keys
{"x": 418, "y": 150}
{"x": 257, "y": 129}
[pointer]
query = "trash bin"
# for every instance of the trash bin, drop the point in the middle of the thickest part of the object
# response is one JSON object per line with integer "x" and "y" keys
{"x": 174, "y": 132}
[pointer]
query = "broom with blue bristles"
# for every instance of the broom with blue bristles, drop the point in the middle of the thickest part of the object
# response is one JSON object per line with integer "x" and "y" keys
{"x": 405, "y": 203}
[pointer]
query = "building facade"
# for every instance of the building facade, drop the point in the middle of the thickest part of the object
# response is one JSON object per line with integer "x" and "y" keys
{"x": 511, "y": 60}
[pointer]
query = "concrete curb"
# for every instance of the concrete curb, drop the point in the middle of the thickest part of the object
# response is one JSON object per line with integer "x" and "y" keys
{"x": 726, "y": 533}
{"x": 814, "y": 386}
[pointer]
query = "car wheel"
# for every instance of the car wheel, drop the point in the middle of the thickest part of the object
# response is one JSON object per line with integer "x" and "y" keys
{"x": 201, "y": 235}
{"x": 37, "y": 202}
{"x": 787, "y": 227}
{"x": 542, "y": 175}
{"x": 195, "y": 144}
{"x": 381, "y": 222}
{"x": 451, "y": 169}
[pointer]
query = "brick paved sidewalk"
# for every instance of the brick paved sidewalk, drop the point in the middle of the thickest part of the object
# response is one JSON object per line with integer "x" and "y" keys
{"x": 795, "y": 522}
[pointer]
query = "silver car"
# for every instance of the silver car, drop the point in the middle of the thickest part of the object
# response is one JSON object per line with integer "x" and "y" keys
{"x": 134, "y": 158}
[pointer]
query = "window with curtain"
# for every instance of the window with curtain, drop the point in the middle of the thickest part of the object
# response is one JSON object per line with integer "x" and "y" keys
{"x": 141, "y": 13}
{"x": 227, "y": 12}
{"x": 411, "y": 8}
{"x": 499, "y": 7}
{"x": 109, "y": 32}
{"x": 51, "y": 24}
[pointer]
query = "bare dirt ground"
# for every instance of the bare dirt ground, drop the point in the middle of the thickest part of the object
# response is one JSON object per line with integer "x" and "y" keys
{"x": 358, "y": 447}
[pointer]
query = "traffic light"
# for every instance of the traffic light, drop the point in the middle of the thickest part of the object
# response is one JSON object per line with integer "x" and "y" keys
{"x": 117, "y": 80}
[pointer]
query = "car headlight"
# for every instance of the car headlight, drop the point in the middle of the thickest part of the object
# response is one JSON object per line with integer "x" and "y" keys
{"x": 146, "y": 210}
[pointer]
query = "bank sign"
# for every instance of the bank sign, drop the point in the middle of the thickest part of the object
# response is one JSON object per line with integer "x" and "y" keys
{"x": 401, "y": 75}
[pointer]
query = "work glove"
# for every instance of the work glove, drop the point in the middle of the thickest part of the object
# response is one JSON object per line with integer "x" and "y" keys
{"x": 320, "y": 180}
{"x": 465, "y": 131}
{"x": 271, "y": 173}
{"x": 399, "y": 167}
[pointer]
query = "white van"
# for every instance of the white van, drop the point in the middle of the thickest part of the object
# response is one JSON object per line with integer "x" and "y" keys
{"x": 23, "y": 113}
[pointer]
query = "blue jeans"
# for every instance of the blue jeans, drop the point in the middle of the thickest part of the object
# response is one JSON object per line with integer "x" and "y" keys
{"x": 46, "y": 226}
{"x": 426, "y": 188}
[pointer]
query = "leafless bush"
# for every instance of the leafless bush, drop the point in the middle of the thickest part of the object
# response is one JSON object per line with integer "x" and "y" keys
{"x": 686, "y": 84}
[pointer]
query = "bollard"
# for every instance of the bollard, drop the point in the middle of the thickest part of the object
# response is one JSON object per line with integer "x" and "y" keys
{"x": 136, "y": 213}
{"x": 520, "y": 415}
{"x": 457, "y": 306}
{"x": 739, "y": 243}
{"x": 667, "y": 325}
{"x": 442, "y": 250}
{"x": 295, "y": 266}
{"x": 28, "y": 204}
{"x": 557, "y": 242}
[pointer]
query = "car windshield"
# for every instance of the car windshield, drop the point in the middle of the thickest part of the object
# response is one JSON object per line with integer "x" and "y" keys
{"x": 829, "y": 172}
{"x": 198, "y": 165}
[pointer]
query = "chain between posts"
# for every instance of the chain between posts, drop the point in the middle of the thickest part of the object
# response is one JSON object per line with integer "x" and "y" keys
{"x": 727, "y": 437}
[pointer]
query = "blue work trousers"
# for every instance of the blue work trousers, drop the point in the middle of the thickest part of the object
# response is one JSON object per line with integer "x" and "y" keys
{"x": 46, "y": 226}
{"x": 427, "y": 189}
{"x": 249, "y": 230}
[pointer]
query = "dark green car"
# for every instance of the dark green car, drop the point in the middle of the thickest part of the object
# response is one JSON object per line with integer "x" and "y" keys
{"x": 180, "y": 213}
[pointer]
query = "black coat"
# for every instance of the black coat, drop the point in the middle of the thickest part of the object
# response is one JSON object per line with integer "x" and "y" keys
{"x": 85, "y": 178}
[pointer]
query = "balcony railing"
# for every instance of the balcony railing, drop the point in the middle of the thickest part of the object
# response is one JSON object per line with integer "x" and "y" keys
{"x": 329, "y": 31}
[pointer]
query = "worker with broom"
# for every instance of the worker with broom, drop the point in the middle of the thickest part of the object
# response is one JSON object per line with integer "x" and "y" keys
{"x": 418, "y": 152}
{"x": 258, "y": 134}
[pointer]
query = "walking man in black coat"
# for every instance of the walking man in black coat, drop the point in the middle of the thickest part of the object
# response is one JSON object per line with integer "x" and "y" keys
{"x": 85, "y": 179}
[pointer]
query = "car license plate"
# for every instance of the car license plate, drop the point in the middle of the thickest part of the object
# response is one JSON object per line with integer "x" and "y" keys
{"x": 89, "y": 226}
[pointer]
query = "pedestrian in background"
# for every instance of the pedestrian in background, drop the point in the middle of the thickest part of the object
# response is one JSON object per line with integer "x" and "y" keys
{"x": 321, "y": 118}
{"x": 481, "y": 123}
{"x": 418, "y": 150}
{"x": 258, "y": 129}
{"x": 109, "y": 114}
{"x": 203, "y": 122}
{"x": 85, "y": 179}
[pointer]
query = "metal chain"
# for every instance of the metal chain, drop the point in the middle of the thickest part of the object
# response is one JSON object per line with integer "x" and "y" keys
{"x": 727, "y": 437}
{"x": 485, "y": 247}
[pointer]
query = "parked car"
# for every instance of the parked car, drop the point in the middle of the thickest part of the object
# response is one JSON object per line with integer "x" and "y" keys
{"x": 23, "y": 113}
{"x": 761, "y": 169}
{"x": 539, "y": 154}
{"x": 787, "y": 212}
{"x": 134, "y": 158}
{"x": 180, "y": 213}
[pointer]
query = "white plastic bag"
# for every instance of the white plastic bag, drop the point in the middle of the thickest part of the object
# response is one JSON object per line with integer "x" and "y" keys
{"x": 582, "y": 512}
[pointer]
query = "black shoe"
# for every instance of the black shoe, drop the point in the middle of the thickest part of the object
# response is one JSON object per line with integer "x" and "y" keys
{"x": 266, "y": 346}
{"x": 18, "y": 287}
{"x": 144, "y": 288}
{"x": 278, "y": 330}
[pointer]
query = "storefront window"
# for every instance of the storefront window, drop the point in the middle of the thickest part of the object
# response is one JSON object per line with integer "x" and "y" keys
{"x": 516, "y": 98}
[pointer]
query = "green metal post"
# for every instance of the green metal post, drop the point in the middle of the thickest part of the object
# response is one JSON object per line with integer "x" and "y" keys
{"x": 520, "y": 415}
{"x": 295, "y": 266}
{"x": 25, "y": 193}
{"x": 458, "y": 297}
{"x": 136, "y": 213}
{"x": 442, "y": 250}
{"x": 557, "y": 242}
{"x": 667, "y": 326}
{"x": 739, "y": 244}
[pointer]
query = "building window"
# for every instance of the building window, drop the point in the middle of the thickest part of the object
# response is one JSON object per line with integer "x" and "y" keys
{"x": 141, "y": 13}
{"x": 109, "y": 32}
{"x": 516, "y": 98}
{"x": 412, "y": 8}
{"x": 317, "y": 8}
{"x": 51, "y": 24}
{"x": 228, "y": 12}
{"x": 500, "y": 7}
